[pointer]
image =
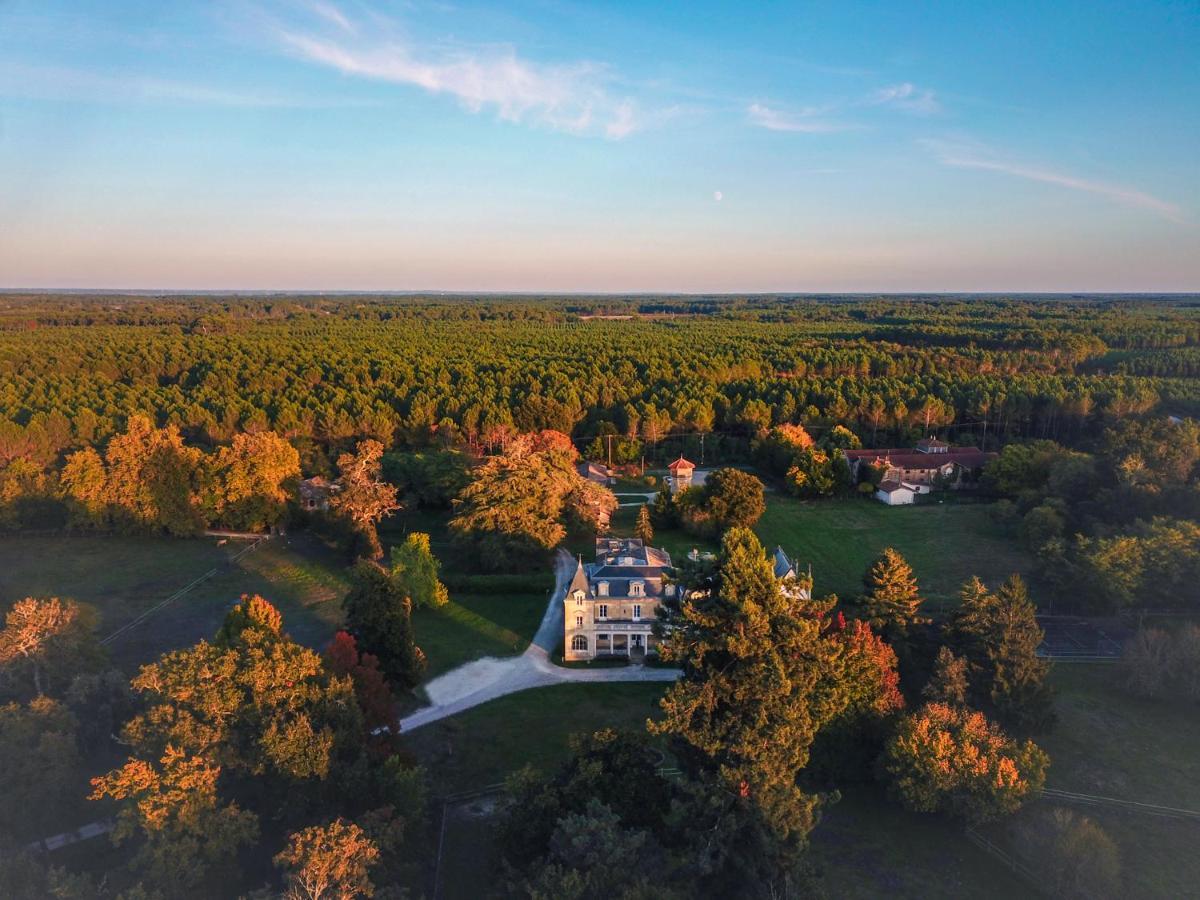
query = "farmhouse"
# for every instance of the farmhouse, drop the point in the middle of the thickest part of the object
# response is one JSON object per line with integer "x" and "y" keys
{"x": 315, "y": 493}
{"x": 918, "y": 470}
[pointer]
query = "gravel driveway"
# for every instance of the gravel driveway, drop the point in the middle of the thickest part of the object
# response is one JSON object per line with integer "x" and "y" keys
{"x": 491, "y": 677}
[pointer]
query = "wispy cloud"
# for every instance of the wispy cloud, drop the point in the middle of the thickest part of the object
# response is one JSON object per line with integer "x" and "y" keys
{"x": 575, "y": 97}
{"x": 807, "y": 120}
{"x": 70, "y": 84}
{"x": 968, "y": 156}
{"x": 908, "y": 97}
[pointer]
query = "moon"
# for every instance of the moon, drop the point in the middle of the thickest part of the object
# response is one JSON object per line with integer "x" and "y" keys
{"x": 717, "y": 195}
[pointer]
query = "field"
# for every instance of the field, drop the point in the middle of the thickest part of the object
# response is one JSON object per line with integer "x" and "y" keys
{"x": 1111, "y": 744}
{"x": 945, "y": 543}
{"x": 122, "y": 577}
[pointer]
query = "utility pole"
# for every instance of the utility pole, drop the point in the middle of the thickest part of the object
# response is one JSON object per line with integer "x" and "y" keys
{"x": 610, "y": 451}
{"x": 702, "y": 448}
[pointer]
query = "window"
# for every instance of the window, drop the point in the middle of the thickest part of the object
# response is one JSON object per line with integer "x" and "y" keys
{"x": 579, "y": 598}
{"x": 603, "y": 611}
{"x": 579, "y": 642}
{"x": 636, "y": 589}
{"x": 579, "y": 621}
{"x": 637, "y": 612}
{"x": 602, "y": 588}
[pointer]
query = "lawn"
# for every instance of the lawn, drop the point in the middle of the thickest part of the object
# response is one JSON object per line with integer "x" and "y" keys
{"x": 122, "y": 577}
{"x": 473, "y": 625}
{"x": 945, "y": 543}
{"x": 864, "y": 846}
{"x": 1111, "y": 744}
{"x": 483, "y": 745}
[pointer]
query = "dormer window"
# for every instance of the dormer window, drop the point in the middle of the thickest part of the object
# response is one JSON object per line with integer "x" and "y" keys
{"x": 637, "y": 589}
{"x": 579, "y": 598}
{"x": 602, "y": 588}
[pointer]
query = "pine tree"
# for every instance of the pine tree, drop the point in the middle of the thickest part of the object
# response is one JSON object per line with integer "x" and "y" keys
{"x": 644, "y": 529}
{"x": 893, "y": 598}
{"x": 752, "y": 694}
{"x": 948, "y": 684}
{"x": 999, "y": 635}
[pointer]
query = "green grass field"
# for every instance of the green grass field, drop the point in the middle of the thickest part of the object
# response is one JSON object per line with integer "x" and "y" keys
{"x": 122, "y": 577}
{"x": 945, "y": 544}
{"x": 1111, "y": 744}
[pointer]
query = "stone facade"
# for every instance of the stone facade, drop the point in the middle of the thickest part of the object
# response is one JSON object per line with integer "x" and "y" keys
{"x": 611, "y": 604}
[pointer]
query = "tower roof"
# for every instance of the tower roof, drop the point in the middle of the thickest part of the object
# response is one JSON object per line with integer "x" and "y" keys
{"x": 681, "y": 463}
{"x": 579, "y": 582}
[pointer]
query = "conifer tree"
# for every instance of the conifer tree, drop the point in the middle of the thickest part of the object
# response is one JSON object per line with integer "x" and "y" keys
{"x": 893, "y": 598}
{"x": 644, "y": 529}
{"x": 751, "y": 698}
{"x": 999, "y": 635}
{"x": 948, "y": 684}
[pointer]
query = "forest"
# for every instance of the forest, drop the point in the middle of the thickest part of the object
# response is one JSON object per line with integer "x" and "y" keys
{"x": 264, "y": 754}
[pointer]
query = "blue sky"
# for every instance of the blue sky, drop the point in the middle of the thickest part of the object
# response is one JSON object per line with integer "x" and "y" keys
{"x": 558, "y": 146}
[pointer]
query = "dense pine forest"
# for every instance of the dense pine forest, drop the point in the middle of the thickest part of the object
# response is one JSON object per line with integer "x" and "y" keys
{"x": 413, "y": 371}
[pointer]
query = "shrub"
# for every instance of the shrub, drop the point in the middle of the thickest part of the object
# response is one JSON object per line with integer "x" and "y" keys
{"x": 1072, "y": 853}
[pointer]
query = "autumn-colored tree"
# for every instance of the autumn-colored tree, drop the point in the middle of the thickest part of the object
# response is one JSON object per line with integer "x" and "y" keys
{"x": 893, "y": 599}
{"x": 370, "y": 687}
{"x": 644, "y": 528}
{"x": 250, "y": 612}
{"x": 415, "y": 570}
{"x": 953, "y": 760}
{"x": 152, "y": 480}
{"x": 39, "y": 766}
{"x": 364, "y": 498}
{"x": 172, "y": 804}
{"x": 84, "y": 484}
{"x": 252, "y": 480}
{"x": 255, "y": 703}
{"x": 728, "y": 498}
{"x": 379, "y": 614}
{"x": 328, "y": 862}
{"x": 519, "y": 502}
{"x": 751, "y": 700}
{"x": 949, "y": 683}
{"x": 999, "y": 635}
{"x": 49, "y": 641}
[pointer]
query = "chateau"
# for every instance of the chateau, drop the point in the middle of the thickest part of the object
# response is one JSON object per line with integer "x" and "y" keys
{"x": 611, "y": 605}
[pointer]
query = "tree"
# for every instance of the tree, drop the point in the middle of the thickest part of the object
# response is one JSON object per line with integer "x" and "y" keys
{"x": 379, "y": 615}
{"x": 328, "y": 862}
{"x": 733, "y": 498}
{"x": 39, "y": 766}
{"x": 644, "y": 529}
{"x": 364, "y": 499}
{"x": 953, "y": 760}
{"x": 173, "y": 805}
{"x": 518, "y": 504}
{"x": 948, "y": 684}
{"x": 50, "y": 640}
{"x": 748, "y": 705}
{"x": 1072, "y": 852}
{"x": 375, "y": 697}
{"x": 84, "y": 484}
{"x": 999, "y": 635}
{"x": 252, "y": 480}
{"x": 152, "y": 480}
{"x": 892, "y": 599}
{"x": 415, "y": 570}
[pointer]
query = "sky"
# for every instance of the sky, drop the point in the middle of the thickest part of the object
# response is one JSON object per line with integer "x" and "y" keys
{"x": 600, "y": 147}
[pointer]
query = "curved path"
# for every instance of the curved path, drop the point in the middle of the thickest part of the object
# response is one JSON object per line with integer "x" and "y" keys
{"x": 491, "y": 677}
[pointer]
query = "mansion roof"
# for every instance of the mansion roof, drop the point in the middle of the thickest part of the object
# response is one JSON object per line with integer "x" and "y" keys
{"x": 968, "y": 457}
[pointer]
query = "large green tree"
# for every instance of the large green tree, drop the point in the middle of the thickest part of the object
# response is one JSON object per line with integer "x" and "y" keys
{"x": 755, "y": 689}
{"x": 379, "y": 615}
{"x": 892, "y": 599}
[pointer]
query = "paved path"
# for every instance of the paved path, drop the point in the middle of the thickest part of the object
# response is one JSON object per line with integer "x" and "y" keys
{"x": 488, "y": 678}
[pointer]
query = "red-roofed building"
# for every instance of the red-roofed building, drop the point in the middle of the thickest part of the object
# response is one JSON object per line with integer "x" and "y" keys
{"x": 681, "y": 474}
{"x": 930, "y": 462}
